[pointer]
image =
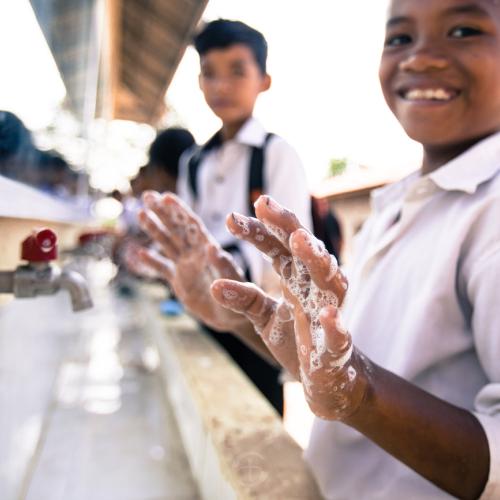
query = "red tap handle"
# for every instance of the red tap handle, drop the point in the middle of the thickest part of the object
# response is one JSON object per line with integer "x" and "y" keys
{"x": 91, "y": 236}
{"x": 40, "y": 246}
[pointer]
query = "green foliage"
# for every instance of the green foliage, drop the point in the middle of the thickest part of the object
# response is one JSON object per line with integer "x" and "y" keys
{"x": 337, "y": 166}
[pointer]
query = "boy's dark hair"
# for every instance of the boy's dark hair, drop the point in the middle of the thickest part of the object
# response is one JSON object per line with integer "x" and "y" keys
{"x": 15, "y": 138}
{"x": 223, "y": 33}
{"x": 52, "y": 160}
{"x": 168, "y": 147}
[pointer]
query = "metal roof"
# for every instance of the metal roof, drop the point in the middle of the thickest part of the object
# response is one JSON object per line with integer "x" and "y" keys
{"x": 131, "y": 48}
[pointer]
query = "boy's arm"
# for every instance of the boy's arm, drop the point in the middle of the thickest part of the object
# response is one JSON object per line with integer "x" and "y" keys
{"x": 441, "y": 442}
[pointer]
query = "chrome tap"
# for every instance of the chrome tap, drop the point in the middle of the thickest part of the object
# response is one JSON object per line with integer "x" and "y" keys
{"x": 40, "y": 277}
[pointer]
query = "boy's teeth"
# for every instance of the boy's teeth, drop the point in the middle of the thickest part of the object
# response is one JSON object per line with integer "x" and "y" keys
{"x": 429, "y": 94}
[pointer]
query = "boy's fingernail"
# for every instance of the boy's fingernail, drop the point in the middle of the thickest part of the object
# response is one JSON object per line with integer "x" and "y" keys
{"x": 241, "y": 221}
{"x": 238, "y": 218}
{"x": 149, "y": 200}
{"x": 260, "y": 199}
{"x": 272, "y": 204}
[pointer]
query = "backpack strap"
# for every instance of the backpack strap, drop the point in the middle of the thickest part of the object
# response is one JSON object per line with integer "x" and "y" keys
{"x": 256, "y": 173}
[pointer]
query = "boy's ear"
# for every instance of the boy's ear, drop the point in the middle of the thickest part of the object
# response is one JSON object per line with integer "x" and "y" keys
{"x": 266, "y": 83}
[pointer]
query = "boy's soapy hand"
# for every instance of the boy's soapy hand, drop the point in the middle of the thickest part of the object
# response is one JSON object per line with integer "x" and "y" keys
{"x": 189, "y": 258}
{"x": 272, "y": 320}
{"x": 333, "y": 373}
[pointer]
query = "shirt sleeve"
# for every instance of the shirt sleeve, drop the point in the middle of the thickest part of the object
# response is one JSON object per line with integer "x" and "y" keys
{"x": 483, "y": 293}
{"x": 286, "y": 179}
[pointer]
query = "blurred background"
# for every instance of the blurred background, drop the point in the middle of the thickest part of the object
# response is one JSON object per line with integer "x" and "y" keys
{"x": 93, "y": 79}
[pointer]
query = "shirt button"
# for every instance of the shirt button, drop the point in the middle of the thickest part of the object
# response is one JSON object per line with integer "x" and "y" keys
{"x": 219, "y": 179}
{"x": 216, "y": 217}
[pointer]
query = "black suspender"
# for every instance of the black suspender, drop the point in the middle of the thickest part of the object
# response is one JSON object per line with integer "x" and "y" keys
{"x": 195, "y": 160}
{"x": 255, "y": 173}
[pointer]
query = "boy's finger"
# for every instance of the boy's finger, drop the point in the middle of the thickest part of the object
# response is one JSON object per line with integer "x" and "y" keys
{"x": 163, "y": 266}
{"x": 280, "y": 221}
{"x": 322, "y": 266}
{"x": 305, "y": 333}
{"x": 337, "y": 340}
{"x": 150, "y": 194}
{"x": 224, "y": 264}
{"x": 159, "y": 233}
{"x": 186, "y": 229}
{"x": 279, "y": 338}
{"x": 174, "y": 219}
{"x": 246, "y": 299}
{"x": 256, "y": 233}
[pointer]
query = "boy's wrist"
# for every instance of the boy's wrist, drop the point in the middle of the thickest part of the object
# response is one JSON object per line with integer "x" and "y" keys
{"x": 368, "y": 374}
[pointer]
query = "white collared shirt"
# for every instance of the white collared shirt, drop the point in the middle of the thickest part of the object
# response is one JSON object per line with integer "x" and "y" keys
{"x": 223, "y": 185}
{"x": 424, "y": 303}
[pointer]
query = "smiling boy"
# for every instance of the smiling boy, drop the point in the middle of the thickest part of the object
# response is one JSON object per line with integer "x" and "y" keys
{"x": 407, "y": 387}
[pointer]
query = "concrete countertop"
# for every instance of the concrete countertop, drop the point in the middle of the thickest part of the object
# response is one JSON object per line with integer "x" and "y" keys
{"x": 235, "y": 441}
{"x": 20, "y": 201}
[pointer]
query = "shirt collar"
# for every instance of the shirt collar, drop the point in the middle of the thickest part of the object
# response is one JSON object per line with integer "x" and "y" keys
{"x": 252, "y": 133}
{"x": 464, "y": 173}
{"x": 386, "y": 195}
{"x": 473, "y": 167}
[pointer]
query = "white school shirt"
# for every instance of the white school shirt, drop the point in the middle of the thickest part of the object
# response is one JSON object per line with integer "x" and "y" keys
{"x": 424, "y": 303}
{"x": 222, "y": 186}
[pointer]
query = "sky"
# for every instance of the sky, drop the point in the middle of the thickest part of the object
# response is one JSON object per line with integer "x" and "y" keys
{"x": 30, "y": 84}
{"x": 325, "y": 97}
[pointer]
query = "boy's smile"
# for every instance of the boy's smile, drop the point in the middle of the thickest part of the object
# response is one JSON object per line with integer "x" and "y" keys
{"x": 440, "y": 70}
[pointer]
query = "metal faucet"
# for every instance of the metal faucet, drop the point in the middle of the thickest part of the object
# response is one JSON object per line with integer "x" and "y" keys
{"x": 39, "y": 277}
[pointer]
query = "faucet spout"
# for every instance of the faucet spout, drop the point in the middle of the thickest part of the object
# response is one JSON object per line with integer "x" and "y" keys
{"x": 36, "y": 279}
{"x": 39, "y": 277}
{"x": 76, "y": 285}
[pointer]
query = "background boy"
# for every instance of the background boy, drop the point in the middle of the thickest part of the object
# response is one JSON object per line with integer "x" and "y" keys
{"x": 232, "y": 75}
{"x": 164, "y": 155}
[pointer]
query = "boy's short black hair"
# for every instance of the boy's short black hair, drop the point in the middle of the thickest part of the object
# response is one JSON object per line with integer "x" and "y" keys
{"x": 168, "y": 147}
{"x": 52, "y": 160}
{"x": 15, "y": 138}
{"x": 223, "y": 33}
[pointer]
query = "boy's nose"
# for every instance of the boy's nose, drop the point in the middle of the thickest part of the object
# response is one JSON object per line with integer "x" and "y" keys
{"x": 423, "y": 60}
{"x": 221, "y": 84}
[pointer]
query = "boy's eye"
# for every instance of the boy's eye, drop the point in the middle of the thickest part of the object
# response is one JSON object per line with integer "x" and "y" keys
{"x": 207, "y": 75}
{"x": 397, "y": 40}
{"x": 464, "y": 31}
{"x": 238, "y": 70}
